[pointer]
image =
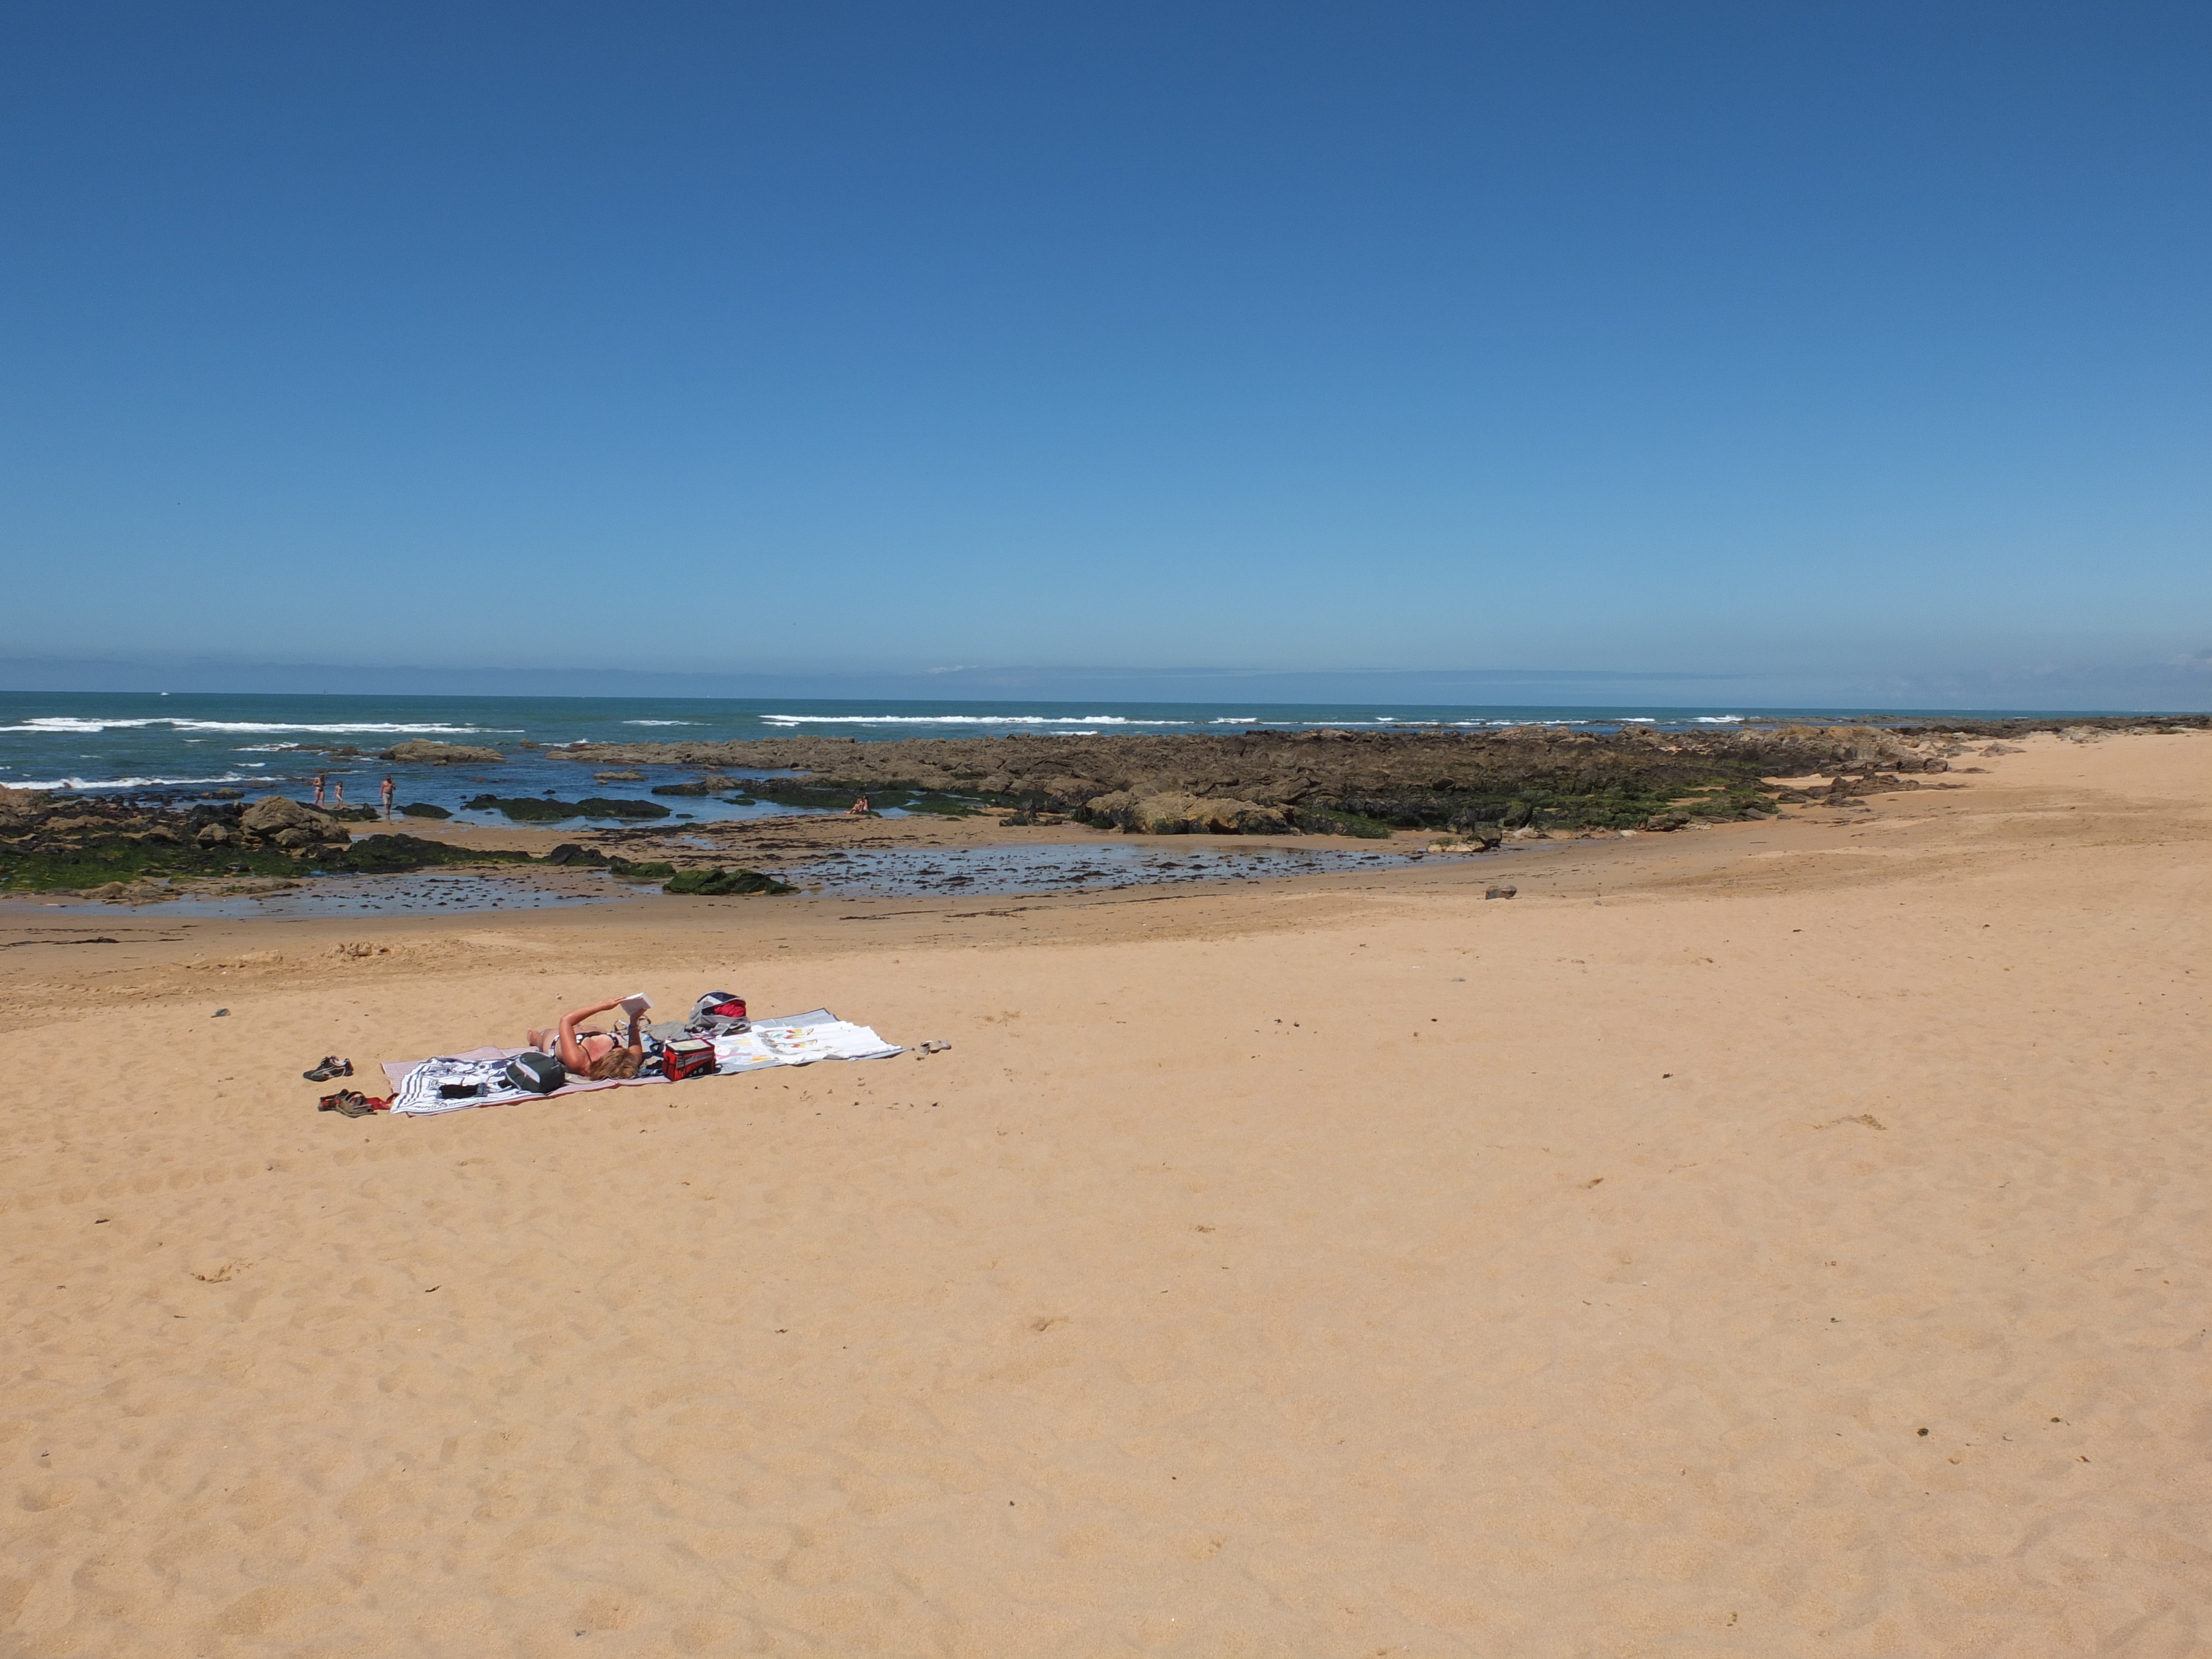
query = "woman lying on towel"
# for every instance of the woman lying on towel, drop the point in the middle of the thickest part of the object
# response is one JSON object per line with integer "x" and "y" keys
{"x": 592, "y": 1054}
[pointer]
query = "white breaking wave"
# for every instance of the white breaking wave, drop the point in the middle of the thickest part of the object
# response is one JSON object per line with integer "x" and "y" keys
{"x": 69, "y": 723}
{"x": 339, "y": 726}
{"x": 660, "y": 722}
{"x": 963, "y": 720}
{"x": 129, "y": 783}
{"x": 1236, "y": 719}
{"x": 1719, "y": 719}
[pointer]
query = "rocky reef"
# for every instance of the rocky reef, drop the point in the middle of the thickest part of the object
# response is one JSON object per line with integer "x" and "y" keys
{"x": 59, "y": 841}
{"x": 526, "y": 809}
{"x": 1531, "y": 778}
{"x": 422, "y": 752}
{"x": 122, "y": 849}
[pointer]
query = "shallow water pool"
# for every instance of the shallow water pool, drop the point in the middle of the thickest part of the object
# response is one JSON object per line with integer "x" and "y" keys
{"x": 425, "y": 893}
{"x": 899, "y": 872}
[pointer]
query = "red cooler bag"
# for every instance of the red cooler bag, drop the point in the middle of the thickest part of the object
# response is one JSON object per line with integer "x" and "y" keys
{"x": 686, "y": 1057}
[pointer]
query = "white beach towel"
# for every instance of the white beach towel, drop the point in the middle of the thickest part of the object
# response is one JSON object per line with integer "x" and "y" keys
{"x": 796, "y": 1040}
{"x": 415, "y": 1083}
{"x": 799, "y": 1041}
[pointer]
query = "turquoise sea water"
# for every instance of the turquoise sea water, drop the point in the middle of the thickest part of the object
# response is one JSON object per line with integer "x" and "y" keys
{"x": 185, "y": 746}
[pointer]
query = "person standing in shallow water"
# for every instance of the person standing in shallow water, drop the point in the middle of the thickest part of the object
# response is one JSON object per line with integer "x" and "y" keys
{"x": 388, "y": 800}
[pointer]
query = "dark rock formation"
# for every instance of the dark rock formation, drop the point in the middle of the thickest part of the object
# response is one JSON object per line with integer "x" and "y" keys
{"x": 422, "y": 752}
{"x": 1325, "y": 782}
{"x": 74, "y": 843}
{"x": 382, "y": 854}
{"x": 285, "y": 822}
{"x": 528, "y": 808}
{"x": 1175, "y": 812}
{"x": 715, "y": 883}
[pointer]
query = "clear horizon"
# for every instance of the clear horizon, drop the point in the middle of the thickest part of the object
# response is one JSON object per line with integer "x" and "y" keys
{"x": 1549, "y": 693}
{"x": 1854, "y": 356}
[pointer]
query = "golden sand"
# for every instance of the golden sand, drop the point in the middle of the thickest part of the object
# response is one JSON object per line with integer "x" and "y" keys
{"x": 1777, "y": 1239}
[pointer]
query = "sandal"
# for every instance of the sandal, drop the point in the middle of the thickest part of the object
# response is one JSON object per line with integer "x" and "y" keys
{"x": 332, "y": 1067}
{"x": 346, "y": 1103}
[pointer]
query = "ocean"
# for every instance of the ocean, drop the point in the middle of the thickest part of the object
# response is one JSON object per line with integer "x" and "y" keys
{"x": 187, "y": 746}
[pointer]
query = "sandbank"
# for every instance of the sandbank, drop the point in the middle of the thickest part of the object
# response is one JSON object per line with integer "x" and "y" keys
{"x": 1784, "y": 1238}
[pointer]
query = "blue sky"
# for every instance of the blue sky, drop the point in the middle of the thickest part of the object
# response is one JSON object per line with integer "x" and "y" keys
{"x": 1811, "y": 341}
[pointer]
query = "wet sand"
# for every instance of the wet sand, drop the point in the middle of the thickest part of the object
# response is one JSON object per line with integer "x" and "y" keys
{"x": 1341, "y": 1265}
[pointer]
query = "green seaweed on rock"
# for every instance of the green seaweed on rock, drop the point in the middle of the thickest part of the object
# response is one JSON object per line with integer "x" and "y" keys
{"x": 377, "y": 855}
{"x": 527, "y": 809}
{"x": 69, "y": 869}
{"x": 1320, "y": 821}
{"x": 835, "y": 797}
{"x": 716, "y": 884}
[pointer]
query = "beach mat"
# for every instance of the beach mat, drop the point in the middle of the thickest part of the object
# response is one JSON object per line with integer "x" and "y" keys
{"x": 789, "y": 1040}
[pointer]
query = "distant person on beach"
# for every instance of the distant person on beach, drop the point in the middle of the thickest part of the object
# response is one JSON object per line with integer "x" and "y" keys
{"x": 388, "y": 800}
{"x": 319, "y": 788}
{"x": 858, "y": 809}
{"x": 592, "y": 1054}
{"x": 340, "y": 787}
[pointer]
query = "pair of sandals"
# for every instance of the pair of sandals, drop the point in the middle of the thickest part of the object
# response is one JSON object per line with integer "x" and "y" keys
{"x": 347, "y": 1103}
{"x": 332, "y": 1065}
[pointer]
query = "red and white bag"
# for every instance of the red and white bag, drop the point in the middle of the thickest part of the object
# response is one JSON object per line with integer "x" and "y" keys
{"x": 687, "y": 1057}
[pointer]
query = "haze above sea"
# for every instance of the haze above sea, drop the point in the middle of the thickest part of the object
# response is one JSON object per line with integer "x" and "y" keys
{"x": 186, "y": 746}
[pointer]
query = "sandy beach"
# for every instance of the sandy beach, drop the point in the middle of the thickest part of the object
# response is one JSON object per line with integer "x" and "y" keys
{"x": 1777, "y": 1238}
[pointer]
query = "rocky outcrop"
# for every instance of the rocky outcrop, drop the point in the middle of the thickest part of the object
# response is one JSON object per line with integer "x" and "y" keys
{"x": 1481, "y": 841}
{"x": 528, "y": 808}
{"x": 1437, "y": 778}
{"x": 390, "y": 854}
{"x": 1178, "y": 813}
{"x": 421, "y": 751}
{"x": 282, "y": 822}
{"x": 67, "y": 842}
{"x": 718, "y": 884}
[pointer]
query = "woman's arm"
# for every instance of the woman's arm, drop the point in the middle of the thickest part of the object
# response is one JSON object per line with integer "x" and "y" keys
{"x": 572, "y": 1052}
